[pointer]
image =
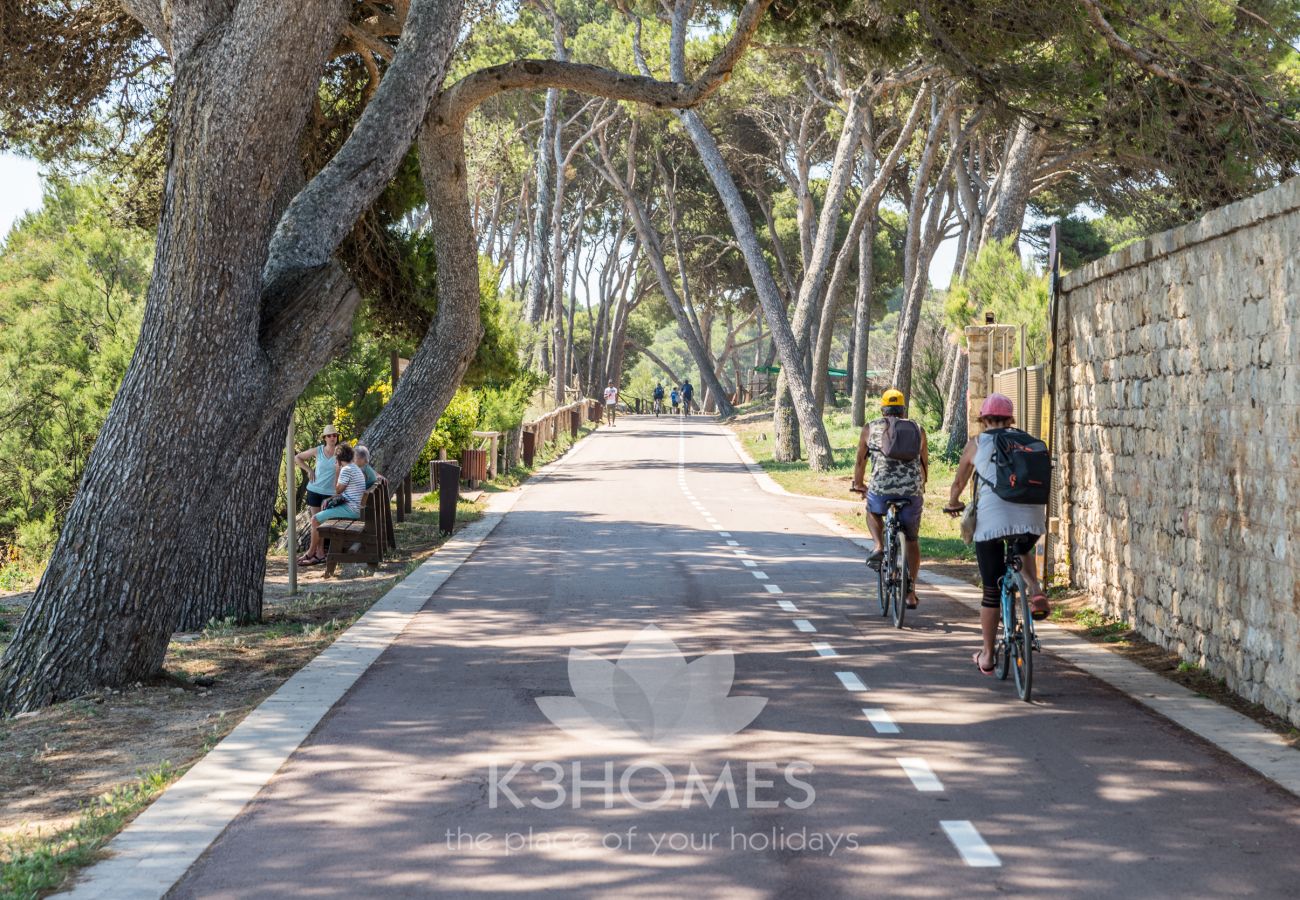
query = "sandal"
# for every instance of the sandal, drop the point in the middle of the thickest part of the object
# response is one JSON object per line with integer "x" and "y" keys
{"x": 312, "y": 561}
{"x": 305, "y": 559}
{"x": 1039, "y": 608}
{"x": 976, "y": 659}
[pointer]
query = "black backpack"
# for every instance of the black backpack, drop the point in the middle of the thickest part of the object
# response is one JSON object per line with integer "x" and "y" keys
{"x": 901, "y": 439}
{"x": 1023, "y": 466}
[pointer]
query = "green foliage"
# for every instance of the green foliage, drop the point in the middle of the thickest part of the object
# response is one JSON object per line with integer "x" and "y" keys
{"x": 999, "y": 282}
{"x": 453, "y": 432}
{"x": 1081, "y": 240}
{"x": 501, "y": 409}
{"x": 72, "y": 290}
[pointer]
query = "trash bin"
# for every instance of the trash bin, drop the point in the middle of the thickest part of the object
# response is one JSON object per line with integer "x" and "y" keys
{"x": 448, "y": 495}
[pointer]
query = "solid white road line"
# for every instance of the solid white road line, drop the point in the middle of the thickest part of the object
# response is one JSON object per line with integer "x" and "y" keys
{"x": 881, "y": 721}
{"x": 917, "y": 769}
{"x": 804, "y": 625}
{"x": 851, "y": 681}
{"x": 773, "y": 589}
{"x": 824, "y": 649}
{"x": 973, "y": 848}
{"x": 787, "y": 606}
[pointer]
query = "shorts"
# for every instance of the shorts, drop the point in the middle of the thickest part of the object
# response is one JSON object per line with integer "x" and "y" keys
{"x": 342, "y": 511}
{"x": 909, "y": 514}
{"x": 317, "y": 500}
{"x": 992, "y": 559}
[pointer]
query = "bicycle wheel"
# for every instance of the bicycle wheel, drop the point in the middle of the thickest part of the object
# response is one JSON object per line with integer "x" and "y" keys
{"x": 900, "y": 579}
{"x": 1002, "y": 644}
{"x": 880, "y": 588}
{"x": 1024, "y": 661}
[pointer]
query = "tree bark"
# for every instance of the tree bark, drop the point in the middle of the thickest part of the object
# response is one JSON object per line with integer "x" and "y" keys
{"x": 862, "y": 321}
{"x": 106, "y": 606}
{"x": 652, "y": 250}
{"x": 402, "y": 428}
{"x": 813, "y": 431}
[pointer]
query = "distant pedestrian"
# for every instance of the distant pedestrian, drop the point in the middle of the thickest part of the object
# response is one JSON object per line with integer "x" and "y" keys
{"x": 611, "y": 403}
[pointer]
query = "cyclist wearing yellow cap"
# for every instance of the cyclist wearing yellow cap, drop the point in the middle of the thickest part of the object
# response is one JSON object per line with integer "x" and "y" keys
{"x": 900, "y": 463}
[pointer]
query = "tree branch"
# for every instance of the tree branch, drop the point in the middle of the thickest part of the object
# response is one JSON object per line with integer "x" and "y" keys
{"x": 324, "y": 211}
{"x": 466, "y": 94}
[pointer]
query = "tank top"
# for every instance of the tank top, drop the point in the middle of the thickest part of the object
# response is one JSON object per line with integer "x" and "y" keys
{"x": 996, "y": 517}
{"x": 326, "y": 469}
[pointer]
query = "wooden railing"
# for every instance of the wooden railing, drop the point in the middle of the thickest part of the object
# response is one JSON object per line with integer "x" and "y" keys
{"x": 548, "y": 428}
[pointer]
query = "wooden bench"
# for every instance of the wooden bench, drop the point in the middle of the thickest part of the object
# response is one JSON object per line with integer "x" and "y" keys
{"x": 366, "y": 539}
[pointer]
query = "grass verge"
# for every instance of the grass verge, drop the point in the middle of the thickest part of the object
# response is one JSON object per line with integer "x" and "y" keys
{"x": 940, "y": 534}
{"x": 35, "y": 865}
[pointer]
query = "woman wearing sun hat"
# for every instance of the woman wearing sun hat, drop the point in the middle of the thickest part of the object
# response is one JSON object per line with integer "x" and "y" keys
{"x": 997, "y": 523}
{"x": 323, "y": 476}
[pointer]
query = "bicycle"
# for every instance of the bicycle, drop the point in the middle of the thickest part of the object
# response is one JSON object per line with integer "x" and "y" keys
{"x": 893, "y": 576}
{"x": 659, "y": 406}
{"x": 1017, "y": 641}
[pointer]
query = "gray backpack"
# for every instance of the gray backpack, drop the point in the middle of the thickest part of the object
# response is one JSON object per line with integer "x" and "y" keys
{"x": 901, "y": 439}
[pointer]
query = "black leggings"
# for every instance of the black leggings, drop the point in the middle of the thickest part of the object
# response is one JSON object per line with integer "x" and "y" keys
{"x": 992, "y": 559}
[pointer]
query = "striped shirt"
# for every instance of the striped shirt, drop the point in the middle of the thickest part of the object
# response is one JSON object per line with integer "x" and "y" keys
{"x": 353, "y": 481}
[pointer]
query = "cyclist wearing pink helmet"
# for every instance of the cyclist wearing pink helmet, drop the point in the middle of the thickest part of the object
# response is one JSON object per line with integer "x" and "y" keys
{"x": 997, "y": 524}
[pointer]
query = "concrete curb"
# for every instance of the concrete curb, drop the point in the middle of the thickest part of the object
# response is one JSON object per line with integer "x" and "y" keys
{"x": 1237, "y": 735}
{"x": 768, "y": 483}
{"x": 156, "y": 850}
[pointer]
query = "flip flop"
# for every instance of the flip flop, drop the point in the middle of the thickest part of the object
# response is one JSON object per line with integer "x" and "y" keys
{"x": 312, "y": 561}
{"x": 976, "y": 659}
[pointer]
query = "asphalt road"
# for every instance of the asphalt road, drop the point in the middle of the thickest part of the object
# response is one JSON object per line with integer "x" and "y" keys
{"x": 882, "y": 764}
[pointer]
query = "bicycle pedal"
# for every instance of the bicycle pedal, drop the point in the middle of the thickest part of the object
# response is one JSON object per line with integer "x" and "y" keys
{"x": 1036, "y": 645}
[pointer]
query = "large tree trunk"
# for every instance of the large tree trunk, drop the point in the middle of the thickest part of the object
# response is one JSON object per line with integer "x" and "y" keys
{"x": 814, "y": 432}
{"x": 862, "y": 321}
{"x": 106, "y": 606}
{"x": 544, "y": 204}
{"x": 954, "y": 416}
{"x": 652, "y": 250}
{"x": 402, "y": 428}
{"x": 230, "y": 582}
{"x": 1015, "y": 181}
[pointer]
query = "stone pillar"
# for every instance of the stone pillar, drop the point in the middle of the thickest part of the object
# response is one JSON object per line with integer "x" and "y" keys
{"x": 987, "y": 346}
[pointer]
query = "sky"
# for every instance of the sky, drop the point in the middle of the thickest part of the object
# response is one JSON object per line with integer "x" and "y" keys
{"x": 20, "y": 189}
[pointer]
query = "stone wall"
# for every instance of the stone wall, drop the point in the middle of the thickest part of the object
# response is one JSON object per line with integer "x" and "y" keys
{"x": 1179, "y": 366}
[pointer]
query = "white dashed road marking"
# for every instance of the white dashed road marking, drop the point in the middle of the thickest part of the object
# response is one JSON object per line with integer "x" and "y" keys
{"x": 824, "y": 649}
{"x": 773, "y": 589}
{"x": 972, "y": 847}
{"x": 923, "y": 777}
{"x": 881, "y": 721}
{"x": 804, "y": 625}
{"x": 787, "y": 606}
{"x": 851, "y": 681}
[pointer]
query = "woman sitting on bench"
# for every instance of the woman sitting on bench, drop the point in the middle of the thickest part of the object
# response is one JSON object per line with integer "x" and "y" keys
{"x": 345, "y": 504}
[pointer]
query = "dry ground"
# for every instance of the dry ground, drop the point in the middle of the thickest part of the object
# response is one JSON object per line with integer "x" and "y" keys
{"x": 55, "y": 762}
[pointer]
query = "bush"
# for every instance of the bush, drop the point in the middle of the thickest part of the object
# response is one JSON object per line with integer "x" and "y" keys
{"x": 501, "y": 409}
{"x": 453, "y": 433}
